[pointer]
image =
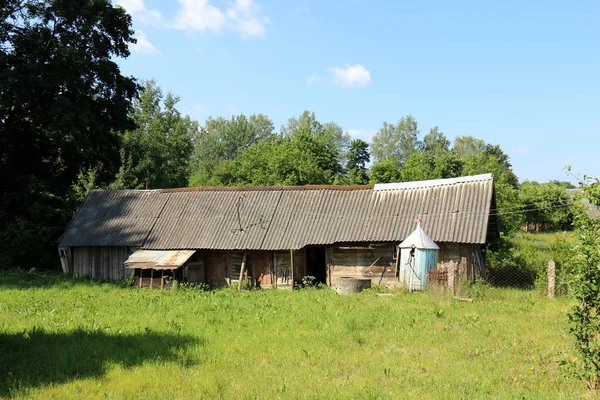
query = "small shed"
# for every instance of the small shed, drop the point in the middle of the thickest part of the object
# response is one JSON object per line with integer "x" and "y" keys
{"x": 418, "y": 254}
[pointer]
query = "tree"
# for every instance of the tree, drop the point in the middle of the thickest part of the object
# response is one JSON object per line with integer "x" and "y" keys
{"x": 396, "y": 142}
{"x": 584, "y": 317}
{"x": 546, "y": 205}
{"x": 297, "y": 160}
{"x": 221, "y": 139}
{"x": 358, "y": 158}
{"x": 438, "y": 164}
{"x": 384, "y": 172}
{"x": 435, "y": 141}
{"x": 157, "y": 153}
{"x": 63, "y": 101}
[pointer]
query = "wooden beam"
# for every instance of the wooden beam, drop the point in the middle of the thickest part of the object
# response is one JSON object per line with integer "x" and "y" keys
{"x": 274, "y": 257}
{"x": 152, "y": 279}
{"x": 140, "y": 278}
{"x": 162, "y": 279}
{"x": 242, "y": 270}
{"x": 292, "y": 266}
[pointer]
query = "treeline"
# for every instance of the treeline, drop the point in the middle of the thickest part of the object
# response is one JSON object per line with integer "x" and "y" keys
{"x": 167, "y": 149}
{"x": 71, "y": 122}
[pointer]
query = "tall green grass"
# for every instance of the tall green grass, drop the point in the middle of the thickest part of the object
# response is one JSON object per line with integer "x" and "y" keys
{"x": 62, "y": 338}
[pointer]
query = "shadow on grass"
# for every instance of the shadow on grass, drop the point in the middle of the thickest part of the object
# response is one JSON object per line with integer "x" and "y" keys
{"x": 36, "y": 358}
{"x": 20, "y": 279}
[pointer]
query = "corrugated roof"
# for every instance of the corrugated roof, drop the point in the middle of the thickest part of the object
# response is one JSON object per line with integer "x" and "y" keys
{"x": 282, "y": 218}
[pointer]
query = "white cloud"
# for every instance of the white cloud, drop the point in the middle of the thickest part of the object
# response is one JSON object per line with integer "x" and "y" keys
{"x": 143, "y": 45}
{"x": 242, "y": 16}
{"x": 137, "y": 8}
{"x": 350, "y": 75}
{"x": 523, "y": 150}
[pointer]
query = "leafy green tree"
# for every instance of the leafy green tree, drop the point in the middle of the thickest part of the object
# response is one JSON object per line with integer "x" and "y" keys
{"x": 358, "y": 158}
{"x": 384, "y": 172}
{"x": 435, "y": 141}
{"x": 396, "y": 142}
{"x": 63, "y": 101}
{"x": 221, "y": 140}
{"x": 546, "y": 205}
{"x": 437, "y": 164}
{"x": 584, "y": 318}
{"x": 298, "y": 160}
{"x": 157, "y": 153}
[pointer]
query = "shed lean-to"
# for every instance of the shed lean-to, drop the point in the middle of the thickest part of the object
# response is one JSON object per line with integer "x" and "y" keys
{"x": 332, "y": 231}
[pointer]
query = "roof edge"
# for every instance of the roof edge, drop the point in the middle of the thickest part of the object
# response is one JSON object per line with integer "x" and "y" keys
{"x": 433, "y": 182}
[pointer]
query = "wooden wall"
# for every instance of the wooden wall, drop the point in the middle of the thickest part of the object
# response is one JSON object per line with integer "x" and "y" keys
{"x": 460, "y": 253}
{"x": 265, "y": 269}
{"x": 104, "y": 263}
{"x": 377, "y": 264}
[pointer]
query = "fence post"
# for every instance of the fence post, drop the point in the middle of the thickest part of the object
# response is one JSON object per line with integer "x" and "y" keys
{"x": 450, "y": 268}
{"x": 551, "y": 278}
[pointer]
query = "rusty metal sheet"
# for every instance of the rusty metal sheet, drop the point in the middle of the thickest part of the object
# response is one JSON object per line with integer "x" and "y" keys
{"x": 158, "y": 259}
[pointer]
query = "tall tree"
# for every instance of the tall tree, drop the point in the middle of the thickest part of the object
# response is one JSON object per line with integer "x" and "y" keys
{"x": 435, "y": 141}
{"x": 63, "y": 101}
{"x": 221, "y": 139}
{"x": 358, "y": 158}
{"x": 157, "y": 153}
{"x": 396, "y": 142}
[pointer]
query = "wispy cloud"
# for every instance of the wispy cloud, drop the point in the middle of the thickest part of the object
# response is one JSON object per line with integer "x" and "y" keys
{"x": 314, "y": 78}
{"x": 242, "y": 16}
{"x": 302, "y": 10}
{"x": 350, "y": 75}
{"x": 143, "y": 45}
{"x": 138, "y": 9}
{"x": 345, "y": 77}
{"x": 523, "y": 150}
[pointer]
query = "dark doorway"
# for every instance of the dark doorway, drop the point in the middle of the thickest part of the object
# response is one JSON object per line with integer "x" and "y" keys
{"x": 316, "y": 264}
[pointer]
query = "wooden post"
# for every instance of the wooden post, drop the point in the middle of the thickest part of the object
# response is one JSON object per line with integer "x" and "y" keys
{"x": 162, "y": 279}
{"x": 242, "y": 271}
{"x": 451, "y": 269}
{"x": 397, "y": 271}
{"x": 152, "y": 278}
{"x": 140, "y": 282}
{"x": 292, "y": 266}
{"x": 274, "y": 257}
{"x": 551, "y": 278}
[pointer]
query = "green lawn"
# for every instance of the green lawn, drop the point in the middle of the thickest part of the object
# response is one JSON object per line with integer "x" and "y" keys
{"x": 64, "y": 339}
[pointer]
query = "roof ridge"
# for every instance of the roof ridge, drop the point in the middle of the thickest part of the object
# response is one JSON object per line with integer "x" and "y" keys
{"x": 433, "y": 182}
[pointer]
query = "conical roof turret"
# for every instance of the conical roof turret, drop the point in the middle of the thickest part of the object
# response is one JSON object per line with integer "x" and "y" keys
{"x": 419, "y": 239}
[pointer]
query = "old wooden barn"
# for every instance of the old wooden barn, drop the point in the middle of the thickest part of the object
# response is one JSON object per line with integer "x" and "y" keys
{"x": 278, "y": 234}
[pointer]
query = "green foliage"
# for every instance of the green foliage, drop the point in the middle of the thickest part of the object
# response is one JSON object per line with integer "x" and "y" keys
{"x": 63, "y": 336}
{"x": 358, "y": 158}
{"x": 521, "y": 260}
{"x": 220, "y": 140}
{"x": 584, "y": 318}
{"x": 396, "y": 142}
{"x": 63, "y": 101}
{"x": 308, "y": 152}
{"x": 547, "y": 205}
{"x": 156, "y": 154}
{"x": 384, "y": 172}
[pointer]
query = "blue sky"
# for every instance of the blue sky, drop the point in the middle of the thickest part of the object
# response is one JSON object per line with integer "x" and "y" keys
{"x": 521, "y": 74}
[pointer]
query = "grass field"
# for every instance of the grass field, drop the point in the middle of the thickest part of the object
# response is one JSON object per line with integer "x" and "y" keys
{"x": 64, "y": 339}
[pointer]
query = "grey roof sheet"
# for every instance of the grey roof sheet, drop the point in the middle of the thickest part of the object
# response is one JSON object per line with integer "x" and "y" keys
{"x": 282, "y": 218}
